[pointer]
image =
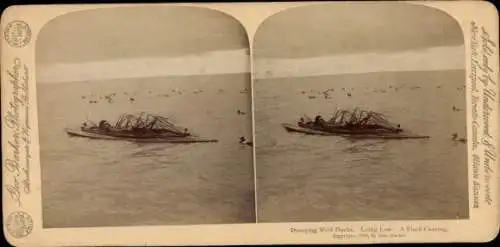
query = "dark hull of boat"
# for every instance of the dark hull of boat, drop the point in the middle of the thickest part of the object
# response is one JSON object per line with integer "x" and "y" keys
{"x": 129, "y": 134}
{"x": 353, "y": 134}
{"x": 170, "y": 139}
{"x": 343, "y": 130}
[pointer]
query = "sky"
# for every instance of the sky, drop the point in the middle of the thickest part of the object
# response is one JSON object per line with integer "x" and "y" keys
{"x": 146, "y": 41}
{"x": 428, "y": 59}
{"x": 210, "y": 63}
{"x": 154, "y": 41}
{"x": 344, "y": 38}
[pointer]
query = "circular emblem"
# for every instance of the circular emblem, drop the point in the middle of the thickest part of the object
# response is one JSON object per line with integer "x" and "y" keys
{"x": 19, "y": 224}
{"x": 17, "y": 33}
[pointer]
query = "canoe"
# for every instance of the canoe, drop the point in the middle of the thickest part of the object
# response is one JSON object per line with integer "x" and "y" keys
{"x": 189, "y": 139}
{"x": 354, "y": 134}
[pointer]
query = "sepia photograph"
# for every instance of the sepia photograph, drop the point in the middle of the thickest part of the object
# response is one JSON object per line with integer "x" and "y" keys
{"x": 360, "y": 114}
{"x": 183, "y": 124}
{"x": 144, "y": 116}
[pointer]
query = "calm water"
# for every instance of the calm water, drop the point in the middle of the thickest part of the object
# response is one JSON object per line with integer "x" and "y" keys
{"x": 300, "y": 178}
{"x": 111, "y": 183}
{"x": 311, "y": 178}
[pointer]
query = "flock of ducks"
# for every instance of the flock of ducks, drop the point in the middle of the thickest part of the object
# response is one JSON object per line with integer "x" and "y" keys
{"x": 348, "y": 93}
{"x": 326, "y": 95}
{"x": 110, "y": 98}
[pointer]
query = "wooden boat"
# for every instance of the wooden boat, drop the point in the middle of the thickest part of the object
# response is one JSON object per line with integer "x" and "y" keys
{"x": 364, "y": 134}
{"x": 143, "y": 128}
{"x": 352, "y": 124}
{"x": 171, "y": 139}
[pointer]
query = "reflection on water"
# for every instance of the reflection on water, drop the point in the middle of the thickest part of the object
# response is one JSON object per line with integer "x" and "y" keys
{"x": 363, "y": 147}
{"x": 88, "y": 183}
{"x": 328, "y": 178}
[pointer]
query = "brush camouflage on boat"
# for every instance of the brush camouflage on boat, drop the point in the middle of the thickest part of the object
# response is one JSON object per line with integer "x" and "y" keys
{"x": 137, "y": 128}
{"x": 352, "y": 124}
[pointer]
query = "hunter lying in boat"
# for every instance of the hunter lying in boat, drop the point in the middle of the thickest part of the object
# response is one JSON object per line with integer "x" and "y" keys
{"x": 357, "y": 120}
{"x": 142, "y": 125}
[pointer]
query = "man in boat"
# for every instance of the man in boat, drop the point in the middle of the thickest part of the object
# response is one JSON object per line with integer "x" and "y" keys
{"x": 186, "y": 132}
{"x": 399, "y": 128}
{"x": 104, "y": 125}
{"x": 87, "y": 125}
{"x": 301, "y": 122}
{"x": 319, "y": 122}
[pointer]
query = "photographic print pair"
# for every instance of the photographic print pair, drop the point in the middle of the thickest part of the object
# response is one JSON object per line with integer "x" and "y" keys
{"x": 171, "y": 115}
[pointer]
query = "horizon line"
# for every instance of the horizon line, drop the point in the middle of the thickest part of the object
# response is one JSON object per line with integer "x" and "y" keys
{"x": 238, "y": 62}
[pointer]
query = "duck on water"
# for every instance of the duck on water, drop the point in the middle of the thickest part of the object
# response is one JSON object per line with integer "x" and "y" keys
{"x": 454, "y": 137}
{"x": 244, "y": 141}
